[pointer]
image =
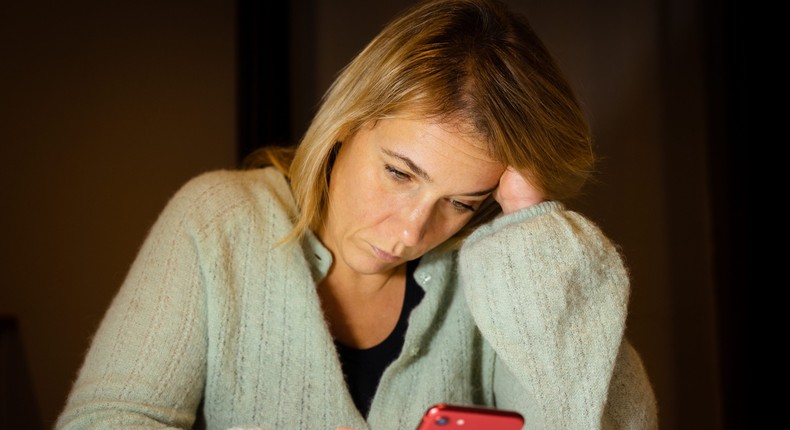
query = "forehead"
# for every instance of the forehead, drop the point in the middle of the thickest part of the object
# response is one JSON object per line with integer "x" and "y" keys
{"x": 442, "y": 149}
{"x": 428, "y": 133}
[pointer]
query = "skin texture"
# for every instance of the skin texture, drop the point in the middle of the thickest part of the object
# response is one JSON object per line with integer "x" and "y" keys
{"x": 398, "y": 188}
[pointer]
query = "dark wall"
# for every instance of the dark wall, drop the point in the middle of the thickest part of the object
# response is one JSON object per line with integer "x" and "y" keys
{"x": 106, "y": 108}
{"x": 730, "y": 188}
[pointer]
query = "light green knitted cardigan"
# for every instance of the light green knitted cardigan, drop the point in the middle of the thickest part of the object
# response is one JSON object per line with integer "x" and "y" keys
{"x": 528, "y": 316}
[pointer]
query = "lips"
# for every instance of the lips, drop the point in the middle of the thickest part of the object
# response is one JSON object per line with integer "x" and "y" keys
{"x": 385, "y": 256}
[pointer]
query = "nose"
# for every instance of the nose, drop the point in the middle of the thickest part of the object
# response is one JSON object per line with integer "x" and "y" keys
{"x": 414, "y": 224}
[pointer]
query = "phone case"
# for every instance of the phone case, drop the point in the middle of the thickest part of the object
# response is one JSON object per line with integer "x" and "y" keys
{"x": 445, "y": 417}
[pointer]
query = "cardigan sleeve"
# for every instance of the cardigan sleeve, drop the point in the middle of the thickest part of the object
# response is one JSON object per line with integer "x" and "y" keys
{"x": 145, "y": 367}
{"x": 549, "y": 292}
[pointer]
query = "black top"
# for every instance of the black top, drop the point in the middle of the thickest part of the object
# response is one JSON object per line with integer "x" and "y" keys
{"x": 363, "y": 367}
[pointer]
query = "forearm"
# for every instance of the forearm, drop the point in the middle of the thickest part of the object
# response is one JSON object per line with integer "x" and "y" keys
{"x": 549, "y": 292}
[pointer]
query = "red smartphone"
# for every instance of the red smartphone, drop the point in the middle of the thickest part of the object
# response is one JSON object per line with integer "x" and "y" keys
{"x": 445, "y": 417}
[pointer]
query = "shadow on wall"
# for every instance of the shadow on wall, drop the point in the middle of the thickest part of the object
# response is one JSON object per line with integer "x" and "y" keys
{"x": 17, "y": 403}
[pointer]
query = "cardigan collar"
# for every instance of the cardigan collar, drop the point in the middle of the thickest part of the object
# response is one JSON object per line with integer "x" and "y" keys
{"x": 318, "y": 256}
{"x": 433, "y": 267}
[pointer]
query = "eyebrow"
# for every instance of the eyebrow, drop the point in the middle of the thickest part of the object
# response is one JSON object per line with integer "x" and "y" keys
{"x": 412, "y": 165}
{"x": 424, "y": 175}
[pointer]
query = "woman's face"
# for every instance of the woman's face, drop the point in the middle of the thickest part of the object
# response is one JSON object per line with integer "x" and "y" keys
{"x": 399, "y": 188}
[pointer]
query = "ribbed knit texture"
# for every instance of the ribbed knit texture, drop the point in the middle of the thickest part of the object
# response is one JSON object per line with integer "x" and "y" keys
{"x": 211, "y": 309}
{"x": 566, "y": 293}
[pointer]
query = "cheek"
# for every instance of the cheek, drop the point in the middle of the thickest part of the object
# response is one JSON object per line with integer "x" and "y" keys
{"x": 361, "y": 198}
{"x": 443, "y": 229}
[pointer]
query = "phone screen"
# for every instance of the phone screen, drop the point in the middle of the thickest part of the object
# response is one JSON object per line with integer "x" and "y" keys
{"x": 445, "y": 417}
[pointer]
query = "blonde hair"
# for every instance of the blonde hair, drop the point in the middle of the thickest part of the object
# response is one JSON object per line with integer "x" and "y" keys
{"x": 473, "y": 62}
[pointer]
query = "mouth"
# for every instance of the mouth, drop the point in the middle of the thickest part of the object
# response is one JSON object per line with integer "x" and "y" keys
{"x": 385, "y": 256}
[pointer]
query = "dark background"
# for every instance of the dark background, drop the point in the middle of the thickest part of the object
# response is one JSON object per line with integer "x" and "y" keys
{"x": 107, "y": 108}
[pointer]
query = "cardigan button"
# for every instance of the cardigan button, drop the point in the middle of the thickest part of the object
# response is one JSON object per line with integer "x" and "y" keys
{"x": 415, "y": 351}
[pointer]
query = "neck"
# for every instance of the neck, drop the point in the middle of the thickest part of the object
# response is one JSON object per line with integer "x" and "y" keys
{"x": 350, "y": 281}
{"x": 362, "y": 310}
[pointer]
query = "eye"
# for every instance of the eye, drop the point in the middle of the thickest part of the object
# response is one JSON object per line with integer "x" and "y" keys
{"x": 397, "y": 174}
{"x": 461, "y": 207}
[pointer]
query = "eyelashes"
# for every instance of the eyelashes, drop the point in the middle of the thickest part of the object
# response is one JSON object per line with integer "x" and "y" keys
{"x": 401, "y": 176}
{"x": 462, "y": 207}
{"x": 397, "y": 174}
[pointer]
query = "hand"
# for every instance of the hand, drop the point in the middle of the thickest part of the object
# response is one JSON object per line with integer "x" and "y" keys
{"x": 515, "y": 192}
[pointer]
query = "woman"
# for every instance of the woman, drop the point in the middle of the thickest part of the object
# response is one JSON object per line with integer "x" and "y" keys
{"x": 411, "y": 250}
